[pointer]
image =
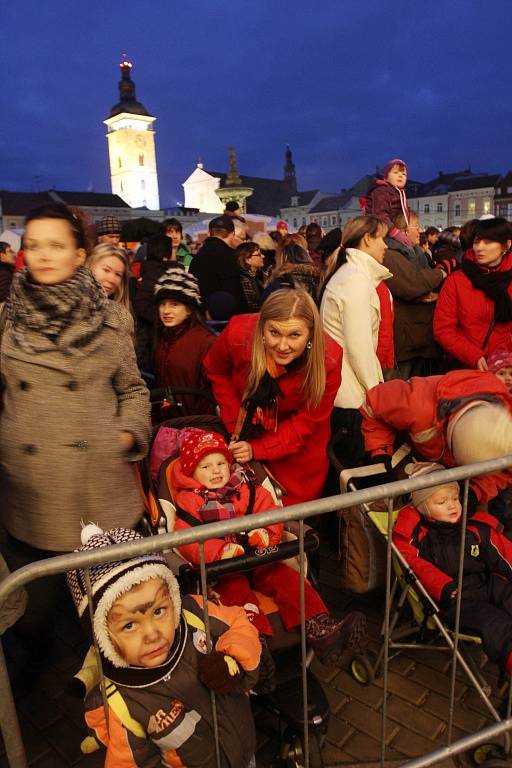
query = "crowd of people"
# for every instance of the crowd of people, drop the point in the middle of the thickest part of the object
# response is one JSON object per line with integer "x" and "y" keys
{"x": 360, "y": 335}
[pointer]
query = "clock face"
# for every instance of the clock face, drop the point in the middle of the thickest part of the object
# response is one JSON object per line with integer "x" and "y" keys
{"x": 140, "y": 141}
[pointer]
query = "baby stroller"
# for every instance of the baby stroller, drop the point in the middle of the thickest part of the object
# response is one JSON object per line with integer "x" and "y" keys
{"x": 284, "y": 703}
{"x": 415, "y": 619}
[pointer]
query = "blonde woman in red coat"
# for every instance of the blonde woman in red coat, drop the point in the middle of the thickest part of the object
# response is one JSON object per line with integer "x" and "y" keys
{"x": 275, "y": 376}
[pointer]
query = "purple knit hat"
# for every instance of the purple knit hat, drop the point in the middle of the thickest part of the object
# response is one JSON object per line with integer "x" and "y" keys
{"x": 390, "y": 164}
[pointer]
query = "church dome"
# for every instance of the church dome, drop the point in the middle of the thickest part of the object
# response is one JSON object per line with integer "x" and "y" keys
{"x": 127, "y": 100}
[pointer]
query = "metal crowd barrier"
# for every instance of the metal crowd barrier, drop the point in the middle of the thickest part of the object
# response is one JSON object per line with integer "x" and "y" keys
{"x": 9, "y": 724}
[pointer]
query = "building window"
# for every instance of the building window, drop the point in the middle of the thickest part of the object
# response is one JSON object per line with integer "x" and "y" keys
{"x": 439, "y": 207}
{"x": 471, "y": 207}
{"x": 509, "y": 190}
{"x": 325, "y": 221}
{"x": 457, "y": 209}
{"x": 426, "y": 208}
{"x": 142, "y": 184}
{"x": 303, "y": 220}
{"x": 119, "y": 162}
{"x": 487, "y": 205}
{"x": 122, "y": 189}
{"x": 295, "y": 223}
{"x": 141, "y": 159}
{"x": 295, "y": 201}
{"x": 333, "y": 220}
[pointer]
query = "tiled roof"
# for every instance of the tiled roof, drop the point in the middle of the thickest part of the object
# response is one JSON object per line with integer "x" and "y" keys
{"x": 475, "y": 182}
{"x": 21, "y": 203}
{"x": 92, "y": 199}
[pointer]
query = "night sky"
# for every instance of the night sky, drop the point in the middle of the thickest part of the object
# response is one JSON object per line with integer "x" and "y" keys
{"x": 347, "y": 84}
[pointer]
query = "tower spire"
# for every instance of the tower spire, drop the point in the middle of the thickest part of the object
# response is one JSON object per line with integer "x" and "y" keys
{"x": 289, "y": 171}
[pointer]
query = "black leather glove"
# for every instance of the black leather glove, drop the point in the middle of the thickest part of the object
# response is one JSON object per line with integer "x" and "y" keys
{"x": 384, "y": 458}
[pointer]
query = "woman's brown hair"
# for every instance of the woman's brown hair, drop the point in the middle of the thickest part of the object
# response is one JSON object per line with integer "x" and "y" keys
{"x": 286, "y": 305}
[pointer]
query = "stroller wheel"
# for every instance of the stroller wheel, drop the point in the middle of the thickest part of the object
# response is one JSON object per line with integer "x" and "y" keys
{"x": 489, "y": 756}
{"x": 295, "y": 757}
{"x": 362, "y": 670}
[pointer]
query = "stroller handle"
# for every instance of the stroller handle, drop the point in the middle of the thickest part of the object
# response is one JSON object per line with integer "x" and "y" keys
{"x": 255, "y": 558}
{"x": 170, "y": 393}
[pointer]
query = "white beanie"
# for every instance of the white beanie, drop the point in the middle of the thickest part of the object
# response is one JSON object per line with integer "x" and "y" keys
{"x": 420, "y": 497}
{"x": 480, "y": 433}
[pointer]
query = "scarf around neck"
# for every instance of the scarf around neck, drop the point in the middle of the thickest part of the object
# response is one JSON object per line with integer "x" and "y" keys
{"x": 218, "y": 502}
{"x": 494, "y": 284}
{"x": 260, "y": 408}
{"x": 64, "y": 316}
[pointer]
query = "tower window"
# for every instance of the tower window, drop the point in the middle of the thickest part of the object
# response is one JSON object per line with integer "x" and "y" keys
{"x": 141, "y": 159}
{"x": 122, "y": 190}
{"x": 142, "y": 184}
{"x": 119, "y": 162}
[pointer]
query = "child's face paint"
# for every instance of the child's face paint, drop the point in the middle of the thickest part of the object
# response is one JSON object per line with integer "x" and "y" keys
{"x": 141, "y": 624}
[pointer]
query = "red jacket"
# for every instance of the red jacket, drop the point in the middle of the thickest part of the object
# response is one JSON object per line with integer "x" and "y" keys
{"x": 386, "y": 340}
{"x": 296, "y": 452}
{"x": 463, "y": 316}
{"x": 421, "y": 407}
{"x": 188, "y": 499}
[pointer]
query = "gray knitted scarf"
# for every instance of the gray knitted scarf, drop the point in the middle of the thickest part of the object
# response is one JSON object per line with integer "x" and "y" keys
{"x": 63, "y": 316}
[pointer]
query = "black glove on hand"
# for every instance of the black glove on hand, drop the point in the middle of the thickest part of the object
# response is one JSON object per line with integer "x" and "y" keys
{"x": 219, "y": 672}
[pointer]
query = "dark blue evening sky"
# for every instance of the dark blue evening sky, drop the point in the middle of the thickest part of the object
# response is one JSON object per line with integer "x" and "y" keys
{"x": 347, "y": 84}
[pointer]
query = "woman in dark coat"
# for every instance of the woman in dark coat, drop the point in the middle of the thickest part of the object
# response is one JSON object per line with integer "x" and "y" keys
{"x": 294, "y": 269}
{"x": 251, "y": 261}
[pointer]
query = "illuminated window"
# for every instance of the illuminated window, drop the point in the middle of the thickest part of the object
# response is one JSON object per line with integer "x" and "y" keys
{"x": 471, "y": 207}
{"x": 487, "y": 206}
{"x": 141, "y": 159}
{"x": 142, "y": 184}
{"x": 119, "y": 162}
{"x": 122, "y": 190}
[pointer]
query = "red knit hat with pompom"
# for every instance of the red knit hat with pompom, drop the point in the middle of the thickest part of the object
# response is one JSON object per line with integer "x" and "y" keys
{"x": 194, "y": 447}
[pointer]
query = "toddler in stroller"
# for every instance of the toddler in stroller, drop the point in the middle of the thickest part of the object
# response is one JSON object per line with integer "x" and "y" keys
{"x": 427, "y": 534}
{"x": 210, "y": 486}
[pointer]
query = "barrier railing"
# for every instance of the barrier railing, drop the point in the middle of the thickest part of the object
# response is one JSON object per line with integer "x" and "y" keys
{"x": 60, "y": 564}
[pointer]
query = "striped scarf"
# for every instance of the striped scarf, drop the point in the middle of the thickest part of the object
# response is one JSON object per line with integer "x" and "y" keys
{"x": 218, "y": 502}
{"x": 65, "y": 316}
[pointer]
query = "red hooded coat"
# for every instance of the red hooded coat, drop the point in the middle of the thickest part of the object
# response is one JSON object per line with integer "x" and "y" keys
{"x": 296, "y": 452}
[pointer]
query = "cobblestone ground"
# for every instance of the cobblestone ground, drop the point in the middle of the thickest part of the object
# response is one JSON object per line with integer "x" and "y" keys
{"x": 52, "y": 721}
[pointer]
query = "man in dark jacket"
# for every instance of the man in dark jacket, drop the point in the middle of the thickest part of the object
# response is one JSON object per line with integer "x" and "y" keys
{"x": 216, "y": 267}
{"x": 7, "y": 259}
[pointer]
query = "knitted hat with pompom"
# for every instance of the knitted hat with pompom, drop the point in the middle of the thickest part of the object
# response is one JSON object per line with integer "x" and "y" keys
{"x": 421, "y": 496}
{"x": 111, "y": 580}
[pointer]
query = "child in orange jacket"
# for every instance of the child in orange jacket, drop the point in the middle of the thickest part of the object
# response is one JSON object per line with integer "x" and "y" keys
{"x": 211, "y": 487}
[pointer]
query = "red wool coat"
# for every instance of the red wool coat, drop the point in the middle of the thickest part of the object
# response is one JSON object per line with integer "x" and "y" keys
{"x": 386, "y": 340}
{"x": 296, "y": 452}
{"x": 463, "y": 315}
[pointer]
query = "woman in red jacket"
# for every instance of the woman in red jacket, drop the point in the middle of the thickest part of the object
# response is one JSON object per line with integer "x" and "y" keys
{"x": 275, "y": 376}
{"x": 473, "y": 316}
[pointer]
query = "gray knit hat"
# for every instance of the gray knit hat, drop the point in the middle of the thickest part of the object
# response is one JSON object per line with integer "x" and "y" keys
{"x": 111, "y": 580}
{"x": 179, "y": 285}
{"x": 418, "y": 469}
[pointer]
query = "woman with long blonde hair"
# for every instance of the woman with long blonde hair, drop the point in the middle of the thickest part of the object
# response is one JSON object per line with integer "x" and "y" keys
{"x": 275, "y": 376}
{"x": 110, "y": 266}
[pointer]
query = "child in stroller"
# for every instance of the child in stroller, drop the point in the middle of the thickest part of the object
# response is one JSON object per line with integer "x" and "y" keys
{"x": 427, "y": 533}
{"x": 211, "y": 486}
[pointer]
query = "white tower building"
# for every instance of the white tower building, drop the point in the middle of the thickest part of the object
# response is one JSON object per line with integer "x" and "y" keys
{"x": 131, "y": 147}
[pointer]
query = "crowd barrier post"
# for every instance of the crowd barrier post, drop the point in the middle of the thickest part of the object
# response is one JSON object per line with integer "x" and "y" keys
{"x": 9, "y": 724}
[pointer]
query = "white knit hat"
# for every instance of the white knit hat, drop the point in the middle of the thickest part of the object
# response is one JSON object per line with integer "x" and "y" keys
{"x": 420, "y": 497}
{"x": 480, "y": 433}
{"x": 111, "y": 580}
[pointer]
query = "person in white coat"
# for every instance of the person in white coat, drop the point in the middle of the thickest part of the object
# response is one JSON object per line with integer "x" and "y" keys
{"x": 350, "y": 312}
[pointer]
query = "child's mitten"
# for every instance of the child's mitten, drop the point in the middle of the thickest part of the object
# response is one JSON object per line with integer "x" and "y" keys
{"x": 231, "y": 550}
{"x": 219, "y": 672}
{"x": 259, "y": 538}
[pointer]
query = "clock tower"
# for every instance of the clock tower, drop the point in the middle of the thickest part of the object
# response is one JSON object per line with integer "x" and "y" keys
{"x": 131, "y": 147}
